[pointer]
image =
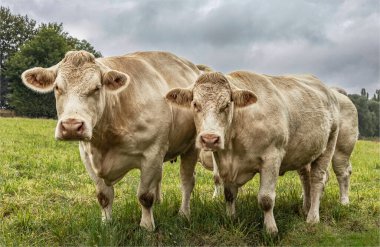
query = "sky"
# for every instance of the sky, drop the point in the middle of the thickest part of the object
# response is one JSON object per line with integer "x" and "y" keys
{"x": 335, "y": 40}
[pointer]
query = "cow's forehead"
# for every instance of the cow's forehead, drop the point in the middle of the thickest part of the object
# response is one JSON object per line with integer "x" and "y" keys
{"x": 79, "y": 76}
{"x": 212, "y": 94}
{"x": 212, "y": 83}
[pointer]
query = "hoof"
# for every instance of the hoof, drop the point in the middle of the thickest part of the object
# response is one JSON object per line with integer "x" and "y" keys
{"x": 312, "y": 219}
{"x": 147, "y": 226}
{"x": 185, "y": 214}
{"x": 345, "y": 201}
{"x": 271, "y": 230}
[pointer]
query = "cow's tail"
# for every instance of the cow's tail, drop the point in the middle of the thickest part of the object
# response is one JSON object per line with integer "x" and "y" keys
{"x": 340, "y": 90}
{"x": 204, "y": 68}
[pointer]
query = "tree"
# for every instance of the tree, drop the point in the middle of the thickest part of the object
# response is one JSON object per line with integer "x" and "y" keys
{"x": 45, "y": 49}
{"x": 74, "y": 43}
{"x": 374, "y": 108}
{"x": 368, "y": 113}
{"x": 14, "y": 31}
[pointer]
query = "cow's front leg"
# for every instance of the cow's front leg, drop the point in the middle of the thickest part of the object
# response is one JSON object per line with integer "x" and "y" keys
{"x": 188, "y": 161}
{"x": 147, "y": 193}
{"x": 104, "y": 193}
{"x": 230, "y": 194}
{"x": 267, "y": 193}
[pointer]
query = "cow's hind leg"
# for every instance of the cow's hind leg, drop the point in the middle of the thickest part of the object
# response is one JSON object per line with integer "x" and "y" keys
{"x": 304, "y": 174}
{"x": 230, "y": 195}
{"x": 188, "y": 162}
{"x": 318, "y": 175}
{"x": 104, "y": 193}
{"x": 342, "y": 169}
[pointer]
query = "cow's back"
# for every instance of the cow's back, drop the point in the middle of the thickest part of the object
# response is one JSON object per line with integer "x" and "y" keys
{"x": 295, "y": 112}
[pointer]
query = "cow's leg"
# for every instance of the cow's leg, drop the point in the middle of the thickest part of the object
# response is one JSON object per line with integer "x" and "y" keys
{"x": 268, "y": 178}
{"x": 151, "y": 174}
{"x": 159, "y": 193}
{"x": 318, "y": 177}
{"x": 304, "y": 174}
{"x": 217, "y": 180}
{"x": 218, "y": 185}
{"x": 104, "y": 193}
{"x": 188, "y": 162}
{"x": 342, "y": 169}
{"x": 230, "y": 195}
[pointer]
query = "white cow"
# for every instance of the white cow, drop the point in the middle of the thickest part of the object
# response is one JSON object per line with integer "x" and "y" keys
{"x": 116, "y": 108}
{"x": 264, "y": 124}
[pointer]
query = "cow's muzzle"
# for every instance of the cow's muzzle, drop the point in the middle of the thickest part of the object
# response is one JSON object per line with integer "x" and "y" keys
{"x": 72, "y": 129}
{"x": 210, "y": 142}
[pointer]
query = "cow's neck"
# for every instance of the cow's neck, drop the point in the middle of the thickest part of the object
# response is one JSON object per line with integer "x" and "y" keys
{"x": 114, "y": 123}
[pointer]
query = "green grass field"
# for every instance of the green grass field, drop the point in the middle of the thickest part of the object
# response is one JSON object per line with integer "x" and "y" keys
{"x": 47, "y": 198}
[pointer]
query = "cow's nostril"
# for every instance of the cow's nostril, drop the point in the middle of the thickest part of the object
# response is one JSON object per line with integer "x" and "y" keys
{"x": 80, "y": 127}
{"x": 62, "y": 126}
{"x": 216, "y": 140}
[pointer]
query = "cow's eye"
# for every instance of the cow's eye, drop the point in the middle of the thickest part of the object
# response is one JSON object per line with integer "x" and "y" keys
{"x": 197, "y": 107}
{"x": 225, "y": 107}
{"x": 57, "y": 89}
{"x": 95, "y": 90}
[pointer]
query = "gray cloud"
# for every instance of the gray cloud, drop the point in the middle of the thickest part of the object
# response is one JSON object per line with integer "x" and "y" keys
{"x": 338, "y": 41}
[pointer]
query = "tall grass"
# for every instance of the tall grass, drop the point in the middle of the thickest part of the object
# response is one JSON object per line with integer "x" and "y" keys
{"x": 47, "y": 198}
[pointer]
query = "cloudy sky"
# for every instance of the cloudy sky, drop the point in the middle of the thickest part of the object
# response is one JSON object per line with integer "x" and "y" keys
{"x": 338, "y": 41}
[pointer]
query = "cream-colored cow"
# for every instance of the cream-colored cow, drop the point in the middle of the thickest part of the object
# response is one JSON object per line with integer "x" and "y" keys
{"x": 264, "y": 124}
{"x": 116, "y": 108}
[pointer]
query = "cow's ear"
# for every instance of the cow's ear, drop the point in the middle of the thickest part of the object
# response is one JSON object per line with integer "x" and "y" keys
{"x": 180, "y": 96}
{"x": 115, "y": 81}
{"x": 40, "y": 79}
{"x": 242, "y": 98}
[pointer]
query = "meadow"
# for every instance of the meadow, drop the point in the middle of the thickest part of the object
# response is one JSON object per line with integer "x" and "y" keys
{"x": 47, "y": 198}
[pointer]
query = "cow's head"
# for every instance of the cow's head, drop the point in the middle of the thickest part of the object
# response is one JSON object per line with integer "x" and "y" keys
{"x": 80, "y": 84}
{"x": 212, "y": 99}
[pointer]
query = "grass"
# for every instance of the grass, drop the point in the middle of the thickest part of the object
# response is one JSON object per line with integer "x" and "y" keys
{"x": 47, "y": 198}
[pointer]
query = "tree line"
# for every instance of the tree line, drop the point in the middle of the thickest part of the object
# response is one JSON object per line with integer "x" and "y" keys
{"x": 368, "y": 112}
{"x": 24, "y": 45}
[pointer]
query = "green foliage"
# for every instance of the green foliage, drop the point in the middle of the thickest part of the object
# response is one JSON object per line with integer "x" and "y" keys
{"x": 48, "y": 199}
{"x": 45, "y": 49}
{"x": 14, "y": 31}
{"x": 20, "y": 41}
{"x": 368, "y": 113}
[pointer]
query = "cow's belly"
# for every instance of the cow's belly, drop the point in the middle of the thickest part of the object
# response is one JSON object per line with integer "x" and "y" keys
{"x": 304, "y": 149}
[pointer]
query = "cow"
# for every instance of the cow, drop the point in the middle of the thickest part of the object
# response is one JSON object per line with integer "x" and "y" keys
{"x": 263, "y": 124}
{"x": 348, "y": 135}
{"x": 116, "y": 108}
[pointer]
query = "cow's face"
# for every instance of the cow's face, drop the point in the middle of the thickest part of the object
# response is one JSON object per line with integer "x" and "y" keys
{"x": 80, "y": 84}
{"x": 212, "y": 100}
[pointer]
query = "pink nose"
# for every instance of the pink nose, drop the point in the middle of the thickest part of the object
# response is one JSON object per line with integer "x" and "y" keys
{"x": 72, "y": 128}
{"x": 210, "y": 139}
